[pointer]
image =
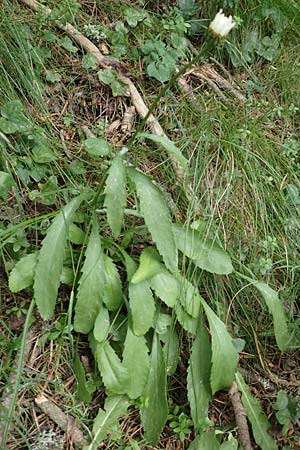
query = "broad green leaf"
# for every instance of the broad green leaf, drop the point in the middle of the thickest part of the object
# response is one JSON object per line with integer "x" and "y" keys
{"x": 115, "y": 376}
{"x": 76, "y": 235}
{"x": 186, "y": 321}
{"x": 136, "y": 360}
{"x": 276, "y": 308}
{"x": 157, "y": 217}
{"x": 102, "y": 325}
{"x": 107, "y": 419}
{"x": 13, "y": 120}
{"x": 89, "y": 61}
{"x": 171, "y": 148}
{"x": 166, "y": 287}
{"x": 189, "y": 297}
{"x": 224, "y": 354}
{"x": 6, "y": 183}
{"x": 97, "y": 147}
{"x": 171, "y": 349}
{"x": 198, "y": 379}
{"x": 91, "y": 285}
{"x": 22, "y": 274}
{"x": 113, "y": 295}
{"x": 150, "y": 265}
{"x": 109, "y": 77}
{"x": 204, "y": 252}
{"x": 230, "y": 444}
{"x": 206, "y": 441}
{"x": 256, "y": 416}
{"x": 83, "y": 394}
{"x": 142, "y": 307}
{"x": 154, "y": 412}
{"x": 115, "y": 195}
{"x": 50, "y": 260}
{"x": 42, "y": 154}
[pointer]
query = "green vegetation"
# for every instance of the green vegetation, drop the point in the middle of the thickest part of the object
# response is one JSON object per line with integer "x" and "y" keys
{"x": 143, "y": 275}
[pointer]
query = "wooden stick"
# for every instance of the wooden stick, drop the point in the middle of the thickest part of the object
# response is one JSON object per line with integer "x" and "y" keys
{"x": 240, "y": 417}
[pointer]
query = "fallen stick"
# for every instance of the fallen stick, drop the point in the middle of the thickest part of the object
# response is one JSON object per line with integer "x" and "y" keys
{"x": 65, "y": 422}
{"x": 240, "y": 417}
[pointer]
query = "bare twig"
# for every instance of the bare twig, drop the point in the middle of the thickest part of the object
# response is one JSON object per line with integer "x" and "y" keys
{"x": 210, "y": 73}
{"x": 198, "y": 73}
{"x": 188, "y": 91}
{"x": 240, "y": 417}
{"x": 65, "y": 422}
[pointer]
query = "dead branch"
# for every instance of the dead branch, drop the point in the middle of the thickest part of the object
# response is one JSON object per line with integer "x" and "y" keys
{"x": 240, "y": 417}
{"x": 210, "y": 73}
{"x": 65, "y": 422}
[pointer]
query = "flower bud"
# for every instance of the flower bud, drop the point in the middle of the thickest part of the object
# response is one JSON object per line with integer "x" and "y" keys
{"x": 221, "y": 25}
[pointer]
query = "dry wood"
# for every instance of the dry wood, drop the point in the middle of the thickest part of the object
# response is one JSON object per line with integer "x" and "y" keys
{"x": 240, "y": 417}
{"x": 65, "y": 422}
{"x": 210, "y": 73}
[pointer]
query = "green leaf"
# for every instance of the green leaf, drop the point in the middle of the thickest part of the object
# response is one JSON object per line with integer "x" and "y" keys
{"x": 171, "y": 349}
{"x": 42, "y": 154}
{"x": 256, "y": 416}
{"x": 171, "y": 148}
{"x": 97, "y": 147}
{"x": 276, "y": 308}
{"x": 91, "y": 285}
{"x": 189, "y": 297}
{"x": 6, "y": 183}
{"x": 83, "y": 394}
{"x": 136, "y": 360}
{"x": 206, "y": 441}
{"x": 107, "y": 419}
{"x": 157, "y": 217}
{"x": 224, "y": 354}
{"x": 115, "y": 376}
{"x": 113, "y": 293}
{"x": 102, "y": 325}
{"x": 154, "y": 413}
{"x": 67, "y": 44}
{"x": 107, "y": 76}
{"x": 13, "y": 120}
{"x": 89, "y": 61}
{"x": 186, "y": 321}
{"x": 198, "y": 379}
{"x": 22, "y": 274}
{"x": 150, "y": 265}
{"x": 76, "y": 234}
{"x": 230, "y": 444}
{"x": 204, "y": 252}
{"x": 142, "y": 307}
{"x": 50, "y": 260}
{"x": 52, "y": 76}
{"x": 166, "y": 287}
{"x": 115, "y": 195}
{"x": 282, "y": 400}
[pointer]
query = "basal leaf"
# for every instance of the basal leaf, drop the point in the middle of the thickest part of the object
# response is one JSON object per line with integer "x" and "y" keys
{"x": 189, "y": 297}
{"x": 91, "y": 285}
{"x": 171, "y": 349}
{"x": 204, "y": 252}
{"x": 22, "y": 274}
{"x": 186, "y": 321}
{"x": 224, "y": 354}
{"x": 115, "y": 376}
{"x": 150, "y": 265}
{"x": 6, "y": 183}
{"x": 113, "y": 294}
{"x": 157, "y": 217}
{"x": 256, "y": 416}
{"x": 198, "y": 379}
{"x": 50, "y": 260}
{"x": 154, "y": 413}
{"x": 171, "y": 148}
{"x": 115, "y": 195}
{"x": 83, "y": 394}
{"x": 230, "y": 444}
{"x": 166, "y": 287}
{"x": 136, "y": 360}
{"x": 275, "y": 308}
{"x": 115, "y": 406}
{"x": 142, "y": 307}
{"x": 102, "y": 325}
{"x": 206, "y": 441}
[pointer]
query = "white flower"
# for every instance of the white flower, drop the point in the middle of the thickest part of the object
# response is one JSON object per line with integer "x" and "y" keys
{"x": 221, "y": 25}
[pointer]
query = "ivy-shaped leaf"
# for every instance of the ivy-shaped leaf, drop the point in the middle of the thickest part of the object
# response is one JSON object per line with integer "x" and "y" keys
{"x": 157, "y": 217}
{"x": 154, "y": 412}
{"x": 115, "y": 195}
{"x": 198, "y": 379}
{"x": 224, "y": 353}
{"x": 106, "y": 420}
{"x": 205, "y": 253}
{"x": 136, "y": 360}
{"x": 50, "y": 260}
{"x": 256, "y": 416}
{"x": 22, "y": 274}
{"x": 91, "y": 285}
{"x": 115, "y": 376}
